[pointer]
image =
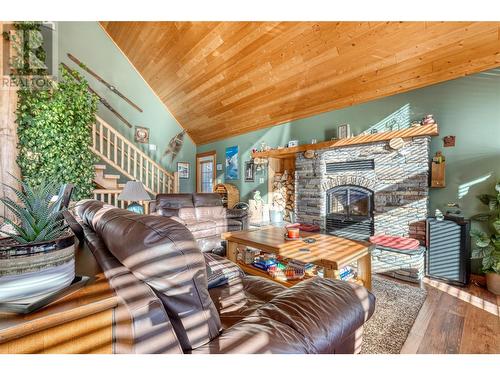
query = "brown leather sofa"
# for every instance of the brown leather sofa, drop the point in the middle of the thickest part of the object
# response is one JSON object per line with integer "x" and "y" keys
{"x": 160, "y": 275}
{"x": 203, "y": 214}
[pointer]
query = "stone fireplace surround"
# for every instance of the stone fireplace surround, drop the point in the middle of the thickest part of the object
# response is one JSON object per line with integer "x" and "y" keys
{"x": 399, "y": 181}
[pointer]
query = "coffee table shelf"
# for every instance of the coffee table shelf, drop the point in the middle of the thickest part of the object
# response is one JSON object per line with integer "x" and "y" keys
{"x": 248, "y": 269}
{"x": 330, "y": 252}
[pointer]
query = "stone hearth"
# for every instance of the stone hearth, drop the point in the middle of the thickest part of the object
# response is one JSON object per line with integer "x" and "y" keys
{"x": 399, "y": 181}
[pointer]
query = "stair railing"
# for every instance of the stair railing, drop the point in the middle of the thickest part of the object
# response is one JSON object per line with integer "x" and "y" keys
{"x": 114, "y": 149}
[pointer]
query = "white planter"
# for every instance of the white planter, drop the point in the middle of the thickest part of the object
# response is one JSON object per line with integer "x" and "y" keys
{"x": 30, "y": 271}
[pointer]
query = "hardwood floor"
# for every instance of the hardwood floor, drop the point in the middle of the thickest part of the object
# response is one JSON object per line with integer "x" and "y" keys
{"x": 455, "y": 320}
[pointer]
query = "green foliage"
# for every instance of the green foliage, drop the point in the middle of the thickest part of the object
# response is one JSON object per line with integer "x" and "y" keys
{"x": 54, "y": 130}
{"x": 488, "y": 244}
{"x": 37, "y": 218}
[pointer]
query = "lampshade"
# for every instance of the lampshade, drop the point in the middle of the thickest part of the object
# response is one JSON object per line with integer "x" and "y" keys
{"x": 134, "y": 191}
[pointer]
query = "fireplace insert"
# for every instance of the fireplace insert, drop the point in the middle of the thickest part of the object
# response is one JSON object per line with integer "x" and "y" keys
{"x": 349, "y": 212}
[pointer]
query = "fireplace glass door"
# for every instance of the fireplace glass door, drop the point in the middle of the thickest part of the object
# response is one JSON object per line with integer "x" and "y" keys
{"x": 351, "y": 202}
{"x": 350, "y": 212}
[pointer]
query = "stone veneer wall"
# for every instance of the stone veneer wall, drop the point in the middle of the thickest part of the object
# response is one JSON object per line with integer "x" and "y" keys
{"x": 399, "y": 182}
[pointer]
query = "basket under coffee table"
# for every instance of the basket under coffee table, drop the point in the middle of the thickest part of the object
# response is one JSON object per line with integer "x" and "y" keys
{"x": 330, "y": 252}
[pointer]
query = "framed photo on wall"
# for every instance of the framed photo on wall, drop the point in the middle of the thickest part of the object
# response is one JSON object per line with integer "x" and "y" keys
{"x": 232, "y": 163}
{"x": 343, "y": 131}
{"x": 183, "y": 169}
{"x": 141, "y": 134}
{"x": 249, "y": 171}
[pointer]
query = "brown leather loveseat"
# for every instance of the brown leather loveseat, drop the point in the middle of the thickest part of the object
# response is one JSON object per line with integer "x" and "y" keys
{"x": 160, "y": 275}
{"x": 203, "y": 214}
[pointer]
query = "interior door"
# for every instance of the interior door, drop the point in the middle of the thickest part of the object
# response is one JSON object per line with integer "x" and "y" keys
{"x": 205, "y": 172}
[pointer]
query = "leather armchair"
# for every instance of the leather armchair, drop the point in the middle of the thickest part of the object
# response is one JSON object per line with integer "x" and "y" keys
{"x": 160, "y": 274}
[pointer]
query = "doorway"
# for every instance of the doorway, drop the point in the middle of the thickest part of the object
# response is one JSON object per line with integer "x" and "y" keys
{"x": 205, "y": 172}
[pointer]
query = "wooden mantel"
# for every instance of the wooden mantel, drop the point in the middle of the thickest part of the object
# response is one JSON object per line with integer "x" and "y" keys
{"x": 284, "y": 153}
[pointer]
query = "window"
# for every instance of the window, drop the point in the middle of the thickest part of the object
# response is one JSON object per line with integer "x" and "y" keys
{"x": 207, "y": 174}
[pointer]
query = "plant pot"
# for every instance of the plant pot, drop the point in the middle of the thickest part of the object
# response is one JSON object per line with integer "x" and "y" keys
{"x": 27, "y": 271}
{"x": 493, "y": 282}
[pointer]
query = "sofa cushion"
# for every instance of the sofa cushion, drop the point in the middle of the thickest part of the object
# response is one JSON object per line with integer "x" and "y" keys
{"x": 187, "y": 214}
{"x": 241, "y": 296}
{"x": 162, "y": 253}
{"x": 207, "y": 200}
{"x": 210, "y": 213}
{"x": 174, "y": 201}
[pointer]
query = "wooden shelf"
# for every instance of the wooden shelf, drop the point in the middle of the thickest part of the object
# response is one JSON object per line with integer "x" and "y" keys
{"x": 254, "y": 271}
{"x": 284, "y": 153}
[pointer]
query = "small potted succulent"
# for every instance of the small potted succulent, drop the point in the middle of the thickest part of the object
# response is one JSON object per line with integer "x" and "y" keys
{"x": 487, "y": 243}
{"x": 37, "y": 254}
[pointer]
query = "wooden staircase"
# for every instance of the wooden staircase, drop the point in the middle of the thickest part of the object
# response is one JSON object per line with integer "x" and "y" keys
{"x": 128, "y": 160}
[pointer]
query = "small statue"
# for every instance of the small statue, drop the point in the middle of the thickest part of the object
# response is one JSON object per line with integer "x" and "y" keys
{"x": 256, "y": 196}
{"x": 428, "y": 120}
{"x": 439, "y": 215}
{"x": 453, "y": 209}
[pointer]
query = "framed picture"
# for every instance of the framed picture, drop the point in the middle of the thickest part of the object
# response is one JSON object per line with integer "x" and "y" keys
{"x": 249, "y": 171}
{"x": 141, "y": 134}
{"x": 183, "y": 169}
{"x": 343, "y": 131}
{"x": 219, "y": 166}
{"x": 232, "y": 163}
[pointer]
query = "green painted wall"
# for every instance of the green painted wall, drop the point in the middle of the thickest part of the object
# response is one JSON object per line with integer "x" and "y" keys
{"x": 468, "y": 108}
{"x": 89, "y": 43}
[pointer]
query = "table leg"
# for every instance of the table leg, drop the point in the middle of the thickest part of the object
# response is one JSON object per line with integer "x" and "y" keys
{"x": 232, "y": 251}
{"x": 365, "y": 270}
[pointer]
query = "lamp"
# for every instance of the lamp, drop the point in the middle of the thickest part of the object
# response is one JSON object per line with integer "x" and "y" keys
{"x": 134, "y": 191}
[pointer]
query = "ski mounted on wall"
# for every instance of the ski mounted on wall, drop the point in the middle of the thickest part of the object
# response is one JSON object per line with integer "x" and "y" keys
{"x": 101, "y": 99}
{"x": 100, "y": 79}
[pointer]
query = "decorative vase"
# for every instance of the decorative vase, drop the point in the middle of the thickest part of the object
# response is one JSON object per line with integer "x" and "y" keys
{"x": 31, "y": 270}
{"x": 493, "y": 282}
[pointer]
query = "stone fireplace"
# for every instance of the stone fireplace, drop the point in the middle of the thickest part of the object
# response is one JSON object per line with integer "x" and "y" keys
{"x": 363, "y": 189}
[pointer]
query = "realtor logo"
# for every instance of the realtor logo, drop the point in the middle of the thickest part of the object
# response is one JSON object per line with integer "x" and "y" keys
{"x": 29, "y": 55}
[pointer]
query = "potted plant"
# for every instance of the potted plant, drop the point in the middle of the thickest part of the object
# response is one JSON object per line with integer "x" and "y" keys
{"x": 37, "y": 254}
{"x": 488, "y": 243}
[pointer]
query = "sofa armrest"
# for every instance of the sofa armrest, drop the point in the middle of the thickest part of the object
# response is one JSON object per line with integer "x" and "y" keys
{"x": 315, "y": 316}
{"x": 238, "y": 214}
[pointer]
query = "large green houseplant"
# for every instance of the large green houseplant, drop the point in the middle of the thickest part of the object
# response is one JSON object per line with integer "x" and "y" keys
{"x": 487, "y": 242}
{"x": 37, "y": 252}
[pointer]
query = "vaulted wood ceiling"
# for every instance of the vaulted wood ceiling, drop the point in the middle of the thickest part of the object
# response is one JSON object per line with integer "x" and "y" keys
{"x": 221, "y": 79}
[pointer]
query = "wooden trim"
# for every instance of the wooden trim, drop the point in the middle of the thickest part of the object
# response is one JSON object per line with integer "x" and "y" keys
{"x": 56, "y": 319}
{"x": 420, "y": 131}
{"x": 212, "y": 153}
{"x": 207, "y": 153}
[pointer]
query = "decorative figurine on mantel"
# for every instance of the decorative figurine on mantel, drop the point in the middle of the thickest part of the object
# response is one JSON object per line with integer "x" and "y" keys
{"x": 453, "y": 209}
{"x": 439, "y": 215}
{"x": 428, "y": 120}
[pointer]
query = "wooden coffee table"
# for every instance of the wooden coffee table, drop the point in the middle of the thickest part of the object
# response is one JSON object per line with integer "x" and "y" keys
{"x": 330, "y": 252}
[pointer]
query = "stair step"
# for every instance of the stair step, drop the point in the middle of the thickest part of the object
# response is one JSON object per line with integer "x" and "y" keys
{"x": 121, "y": 186}
{"x": 99, "y": 166}
{"x": 112, "y": 176}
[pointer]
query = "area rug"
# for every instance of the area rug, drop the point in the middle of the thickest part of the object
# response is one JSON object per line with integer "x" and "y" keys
{"x": 396, "y": 309}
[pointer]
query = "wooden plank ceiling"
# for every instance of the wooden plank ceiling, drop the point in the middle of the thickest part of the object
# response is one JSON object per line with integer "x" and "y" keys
{"x": 221, "y": 79}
